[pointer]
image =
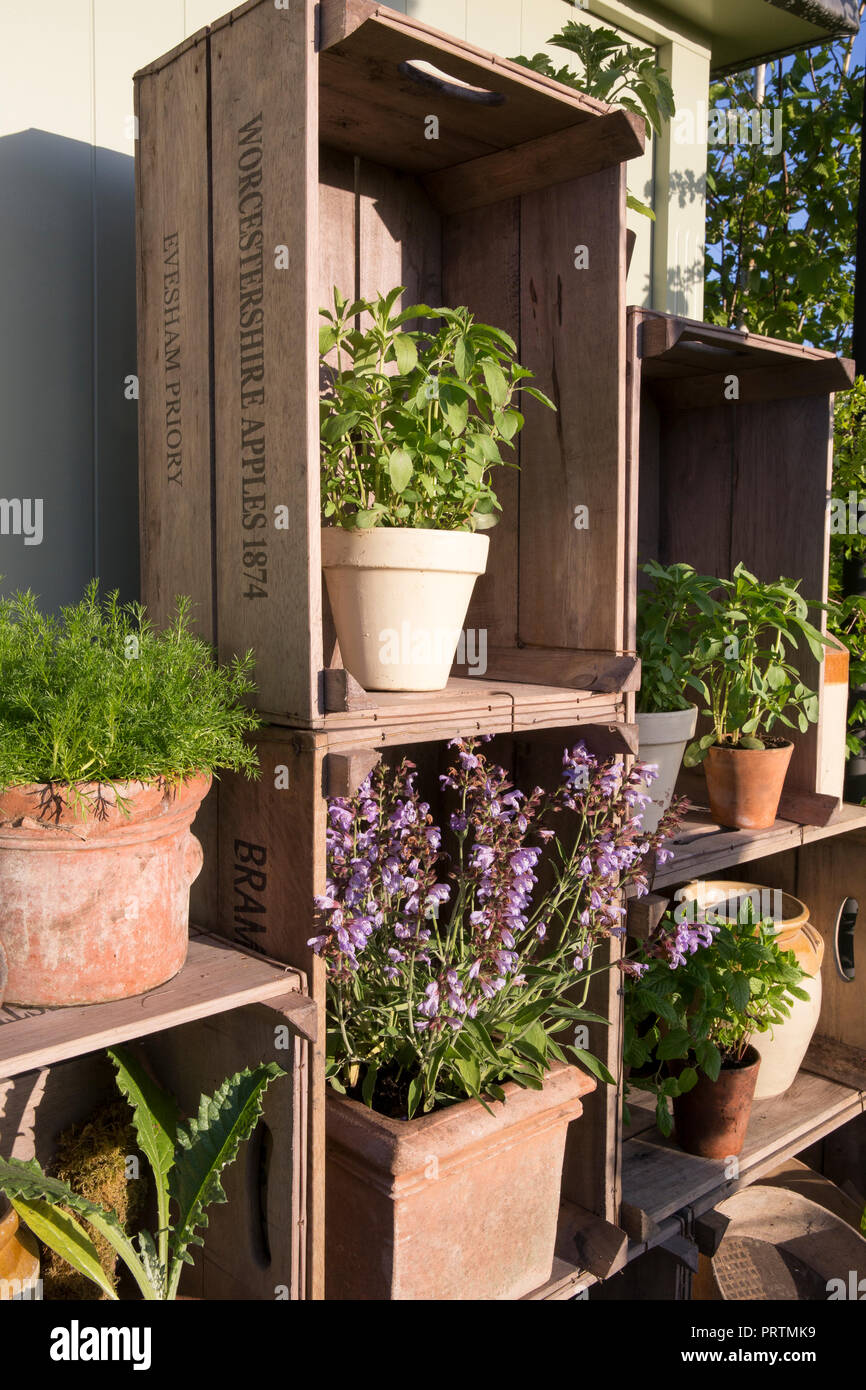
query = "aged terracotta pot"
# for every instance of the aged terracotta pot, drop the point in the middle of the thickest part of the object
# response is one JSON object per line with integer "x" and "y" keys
{"x": 745, "y": 784}
{"x": 459, "y": 1204}
{"x": 19, "y": 1255}
{"x": 94, "y": 904}
{"x": 711, "y": 1120}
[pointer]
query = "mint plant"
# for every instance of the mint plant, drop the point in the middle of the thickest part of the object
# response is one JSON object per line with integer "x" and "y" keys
{"x": 413, "y": 420}
{"x": 700, "y": 994}
{"x": 98, "y": 694}
{"x": 743, "y": 658}
{"x": 186, "y": 1160}
{"x": 666, "y": 613}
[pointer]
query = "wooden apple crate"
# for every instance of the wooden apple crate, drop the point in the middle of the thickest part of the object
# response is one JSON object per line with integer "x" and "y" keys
{"x": 286, "y": 150}
{"x": 226, "y": 1010}
{"x": 733, "y": 435}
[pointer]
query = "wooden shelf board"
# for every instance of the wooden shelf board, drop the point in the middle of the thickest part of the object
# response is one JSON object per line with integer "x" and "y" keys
{"x": 703, "y": 847}
{"x": 217, "y": 977}
{"x": 365, "y": 88}
{"x": 467, "y": 706}
{"x": 660, "y": 1181}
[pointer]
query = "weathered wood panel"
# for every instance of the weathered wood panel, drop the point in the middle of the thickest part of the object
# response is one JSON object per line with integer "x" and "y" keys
{"x": 266, "y": 277}
{"x": 572, "y": 249}
{"x": 174, "y": 340}
{"x": 481, "y": 268}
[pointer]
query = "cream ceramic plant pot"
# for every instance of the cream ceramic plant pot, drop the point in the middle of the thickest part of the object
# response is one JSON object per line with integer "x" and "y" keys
{"x": 461, "y": 1204}
{"x": 663, "y": 738}
{"x": 783, "y": 1050}
{"x": 399, "y": 598}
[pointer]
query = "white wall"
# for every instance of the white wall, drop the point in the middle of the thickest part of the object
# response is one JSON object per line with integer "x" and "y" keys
{"x": 67, "y": 274}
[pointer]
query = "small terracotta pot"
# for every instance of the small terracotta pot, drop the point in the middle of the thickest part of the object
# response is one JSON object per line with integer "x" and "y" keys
{"x": 745, "y": 784}
{"x": 94, "y": 895}
{"x": 712, "y": 1118}
{"x": 461, "y": 1204}
{"x": 19, "y": 1256}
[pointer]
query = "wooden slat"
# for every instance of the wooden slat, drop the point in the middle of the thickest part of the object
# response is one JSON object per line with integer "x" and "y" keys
{"x": 837, "y": 1061}
{"x": 756, "y": 382}
{"x": 576, "y": 457}
{"x": 264, "y": 152}
{"x": 702, "y": 848}
{"x": 598, "y": 671}
{"x": 271, "y": 863}
{"x": 214, "y": 979}
{"x": 174, "y": 340}
{"x": 399, "y": 235}
{"x": 551, "y": 159}
{"x": 659, "y": 1179}
{"x": 464, "y": 708}
{"x": 337, "y": 253}
{"x": 481, "y": 268}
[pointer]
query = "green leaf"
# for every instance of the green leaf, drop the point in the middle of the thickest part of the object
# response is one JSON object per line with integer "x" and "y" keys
{"x": 687, "y": 1080}
{"x": 406, "y": 353}
{"x": 400, "y": 469}
{"x": 416, "y": 1092}
{"x": 495, "y": 382}
{"x": 206, "y": 1146}
{"x": 592, "y": 1064}
{"x": 155, "y": 1117}
{"x": 676, "y": 1043}
{"x": 470, "y": 1073}
{"x": 67, "y": 1238}
{"x": 369, "y": 1085}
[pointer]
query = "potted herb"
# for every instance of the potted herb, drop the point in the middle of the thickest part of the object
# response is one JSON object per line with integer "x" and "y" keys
{"x": 454, "y": 986}
{"x": 666, "y": 612}
{"x": 187, "y": 1160}
{"x": 743, "y": 655}
{"x": 109, "y": 734}
{"x": 413, "y": 421}
{"x": 688, "y": 1030}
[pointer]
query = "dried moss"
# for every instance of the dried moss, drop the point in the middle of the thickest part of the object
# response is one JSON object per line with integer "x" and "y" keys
{"x": 91, "y": 1156}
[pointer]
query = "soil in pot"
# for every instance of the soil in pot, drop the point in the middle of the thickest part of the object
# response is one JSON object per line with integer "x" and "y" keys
{"x": 745, "y": 784}
{"x": 712, "y": 1118}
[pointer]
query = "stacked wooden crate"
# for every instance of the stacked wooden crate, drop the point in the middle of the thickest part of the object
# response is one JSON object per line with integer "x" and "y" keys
{"x": 287, "y": 150}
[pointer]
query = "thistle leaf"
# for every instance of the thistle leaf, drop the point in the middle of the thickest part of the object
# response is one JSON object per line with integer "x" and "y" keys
{"x": 206, "y": 1146}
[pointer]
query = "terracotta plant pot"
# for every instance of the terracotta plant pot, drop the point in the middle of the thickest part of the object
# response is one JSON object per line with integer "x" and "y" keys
{"x": 94, "y": 903}
{"x": 399, "y": 597}
{"x": 19, "y": 1256}
{"x": 459, "y": 1204}
{"x": 745, "y": 784}
{"x": 711, "y": 1120}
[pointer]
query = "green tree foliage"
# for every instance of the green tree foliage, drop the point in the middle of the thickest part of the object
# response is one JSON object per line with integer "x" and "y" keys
{"x": 781, "y": 225}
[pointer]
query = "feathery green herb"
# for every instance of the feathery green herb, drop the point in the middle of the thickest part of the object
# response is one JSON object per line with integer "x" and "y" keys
{"x": 98, "y": 694}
